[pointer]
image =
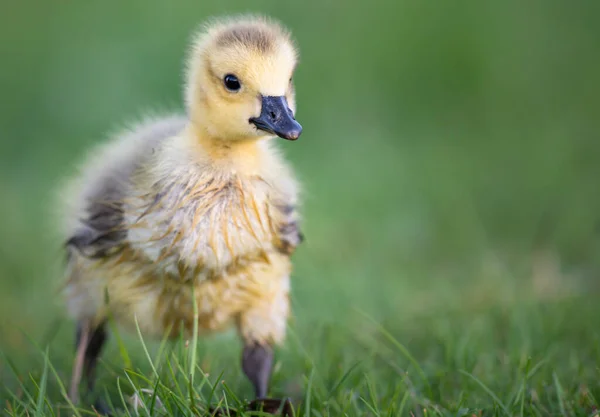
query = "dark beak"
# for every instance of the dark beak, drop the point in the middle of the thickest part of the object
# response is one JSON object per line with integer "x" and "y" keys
{"x": 276, "y": 118}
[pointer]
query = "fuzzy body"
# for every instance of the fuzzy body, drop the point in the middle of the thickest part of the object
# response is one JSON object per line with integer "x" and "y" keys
{"x": 200, "y": 210}
{"x": 170, "y": 220}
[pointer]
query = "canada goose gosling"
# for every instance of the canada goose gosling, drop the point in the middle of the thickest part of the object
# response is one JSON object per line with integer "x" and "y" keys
{"x": 196, "y": 209}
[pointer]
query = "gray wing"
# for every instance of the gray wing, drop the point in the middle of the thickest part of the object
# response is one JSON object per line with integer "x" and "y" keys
{"x": 101, "y": 230}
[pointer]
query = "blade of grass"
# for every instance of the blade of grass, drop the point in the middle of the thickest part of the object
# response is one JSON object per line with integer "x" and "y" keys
{"x": 160, "y": 355}
{"x": 139, "y": 332}
{"x": 536, "y": 367}
{"x": 154, "y": 395}
{"x": 120, "y": 344}
{"x": 63, "y": 389}
{"x": 17, "y": 399}
{"x": 394, "y": 400}
{"x": 559, "y": 394}
{"x": 42, "y": 390}
{"x": 372, "y": 394}
{"x": 486, "y": 389}
{"x": 403, "y": 403}
{"x": 177, "y": 400}
{"x": 194, "y": 338}
{"x": 137, "y": 393}
{"x": 230, "y": 393}
{"x": 213, "y": 387}
{"x": 308, "y": 393}
{"x": 369, "y": 406}
{"x": 523, "y": 387}
{"x": 402, "y": 350}
{"x": 122, "y": 396}
{"x": 174, "y": 378}
{"x": 15, "y": 371}
{"x": 342, "y": 379}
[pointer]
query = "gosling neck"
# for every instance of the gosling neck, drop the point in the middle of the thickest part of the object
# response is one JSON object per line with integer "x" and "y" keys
{"x": 238, "y": 155}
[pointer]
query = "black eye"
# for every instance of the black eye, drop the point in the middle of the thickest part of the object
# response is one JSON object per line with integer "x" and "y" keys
{"x": 231, "y": 82}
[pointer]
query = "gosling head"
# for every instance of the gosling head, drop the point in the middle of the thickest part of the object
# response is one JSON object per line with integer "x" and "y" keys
{"x": 239, "y": 81}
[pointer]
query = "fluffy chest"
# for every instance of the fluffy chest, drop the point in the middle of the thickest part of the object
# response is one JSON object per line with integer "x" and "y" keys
{"x": 205, "y": 227}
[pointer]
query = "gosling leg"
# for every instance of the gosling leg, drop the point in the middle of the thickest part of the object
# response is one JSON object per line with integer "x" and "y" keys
{"x": 81, "y": 341}
{"x": 257, "y": 363}
{"x": 89, "y": 344}
{"x": 96, "y": 342}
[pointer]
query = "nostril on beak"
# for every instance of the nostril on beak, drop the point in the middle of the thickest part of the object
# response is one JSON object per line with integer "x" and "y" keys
{"x": 273, "y": 115}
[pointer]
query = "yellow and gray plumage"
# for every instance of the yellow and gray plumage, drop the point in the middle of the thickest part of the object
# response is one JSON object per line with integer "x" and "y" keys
{"x": 198, "y": 208}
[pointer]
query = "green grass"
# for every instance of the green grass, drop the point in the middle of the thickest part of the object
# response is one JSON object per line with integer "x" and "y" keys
{"x": 519, "y": 354}
{"x": 450, "y": 166}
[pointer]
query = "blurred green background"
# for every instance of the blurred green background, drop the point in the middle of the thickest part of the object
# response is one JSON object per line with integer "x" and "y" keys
{"x": 450, "y": 156}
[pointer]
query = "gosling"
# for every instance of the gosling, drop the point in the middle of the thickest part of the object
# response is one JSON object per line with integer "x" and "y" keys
{"x": 197, "y": 212}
